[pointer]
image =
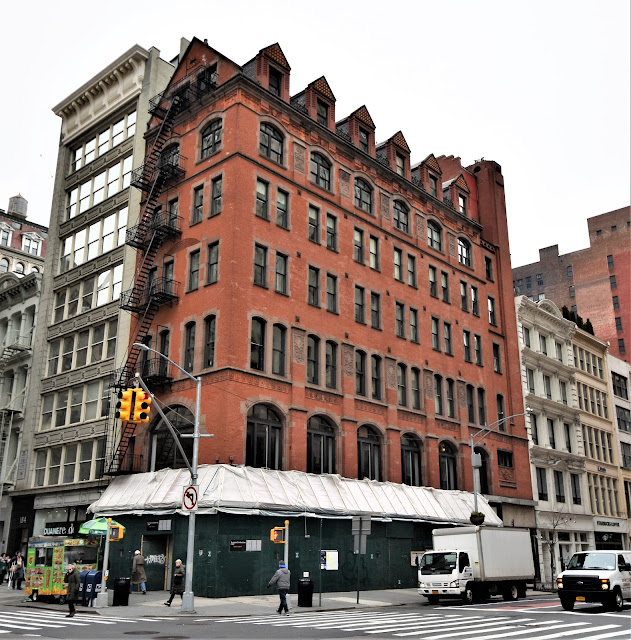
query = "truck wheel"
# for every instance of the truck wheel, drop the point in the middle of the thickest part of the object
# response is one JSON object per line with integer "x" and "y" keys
{"x": 34, "y": 595}
{"x": 432, "y": 599}
{"x": 615, "y": 602}
{"x": 510, "y": 592}
{"x": 467, "y": 596}
{"x": 567, "y": 603}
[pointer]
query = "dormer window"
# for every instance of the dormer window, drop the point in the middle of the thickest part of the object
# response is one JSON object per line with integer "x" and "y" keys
{"x": 433, "y": 186}
{"x": 275, "y": 81}
{"x": 31, "y": 244}
{"x": 462, "y": 204}
{"x": 323, "y": 113}
{"x": 400, "y": 164}
{"x": 363, "y": 140}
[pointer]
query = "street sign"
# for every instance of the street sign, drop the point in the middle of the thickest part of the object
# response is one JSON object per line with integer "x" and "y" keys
{"x": 190, "y": 497}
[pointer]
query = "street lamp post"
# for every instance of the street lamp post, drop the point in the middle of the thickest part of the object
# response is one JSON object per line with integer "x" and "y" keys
{"x": 188, "y": 598}
{"x": 476, "y": 458}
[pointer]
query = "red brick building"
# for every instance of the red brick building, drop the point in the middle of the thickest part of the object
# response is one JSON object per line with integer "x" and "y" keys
{"x": 349, "y": 311}
{"x": 594, "y": 282}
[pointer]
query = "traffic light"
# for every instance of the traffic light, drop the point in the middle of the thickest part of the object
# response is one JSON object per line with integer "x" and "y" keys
{"x": 125, "y": 404}
{"x": 116, "y": 533}
{"x": 277, "y": 535}
{"x": 142, "y": 406}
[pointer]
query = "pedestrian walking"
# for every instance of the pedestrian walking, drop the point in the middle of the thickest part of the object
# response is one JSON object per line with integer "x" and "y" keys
{"x": 177, "y": 582}
{"x": 4, "y": 566}
{"x": 281, "y": 578}
{"x": 138, "y": 575}
{"x": 17, "y": 570}
{"x": 72, "y": 580}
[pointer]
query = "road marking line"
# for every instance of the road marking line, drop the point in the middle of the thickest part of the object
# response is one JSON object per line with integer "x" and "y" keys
{"x": 494, "y": 623}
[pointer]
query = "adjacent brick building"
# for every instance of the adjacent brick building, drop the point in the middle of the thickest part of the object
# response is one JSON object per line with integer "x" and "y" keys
{"x": 594, "y": 282}
{"x": 349, "y": 311}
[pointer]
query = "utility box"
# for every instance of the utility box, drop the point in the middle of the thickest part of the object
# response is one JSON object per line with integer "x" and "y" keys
{"x": 305, "y": 592}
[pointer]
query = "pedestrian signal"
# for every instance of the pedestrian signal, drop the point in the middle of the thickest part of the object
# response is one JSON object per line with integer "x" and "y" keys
{"x": 142, "y": 406}
{"x": 116, "y": 533}
{"x": 125, "y": 405}
{"x": 277, "y": 535}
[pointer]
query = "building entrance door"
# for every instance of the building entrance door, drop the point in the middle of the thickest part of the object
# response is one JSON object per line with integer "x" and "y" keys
{"x": 155, "y": 550}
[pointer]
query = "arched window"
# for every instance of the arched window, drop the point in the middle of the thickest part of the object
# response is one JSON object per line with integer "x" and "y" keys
{"x": 368, "y": 453}
{"x": 19, "y": 268}
{"x": 313, "y": 359}
{"x": 4, "y": 265}
{"x": 164, "y": 452}
{"x": 402, "y": 391}
{"x": 278, "y": 350}
{"x": 411, "y": 460}
{"x": 320, "y": 170}
{"x": 447, "y": 466}
{"x": 320, "y": 445}
{"x": 211, "y": 138}
{"x": 482, "y": 472}
{"x": 33, "y": 270}
{"x": 189, "y": 346}
{"x": 464, "y": 252}
{"x": 257, "y": 344}
{"x": 360, "y": 373}
{"x": 210, "y": 324}
{"x": 363, "y": 195}
{"x": 271, "y": 143}
{"x": 263, "y": 446}
{"x": 401, "y": 216}
{"x": 434, "y": 236}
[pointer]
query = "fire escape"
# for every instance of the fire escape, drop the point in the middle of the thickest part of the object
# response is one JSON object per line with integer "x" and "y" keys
{"x": 162, "y": 167}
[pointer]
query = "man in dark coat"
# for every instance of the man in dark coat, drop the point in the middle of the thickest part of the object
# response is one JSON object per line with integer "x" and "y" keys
{"x": 72, "y": 580}
{"x": 138, "y": 575}
{"x": 177, "y": 582}
{"x": 282, "y": 578}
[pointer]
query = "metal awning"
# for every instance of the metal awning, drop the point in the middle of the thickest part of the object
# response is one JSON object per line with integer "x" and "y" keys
{"x": 250, "y": 491}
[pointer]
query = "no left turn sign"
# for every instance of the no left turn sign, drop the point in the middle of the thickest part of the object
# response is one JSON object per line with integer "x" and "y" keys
{"x": 190, "y": 497}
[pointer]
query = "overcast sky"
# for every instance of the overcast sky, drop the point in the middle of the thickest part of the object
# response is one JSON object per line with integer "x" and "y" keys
{"x": 542, "y": 87}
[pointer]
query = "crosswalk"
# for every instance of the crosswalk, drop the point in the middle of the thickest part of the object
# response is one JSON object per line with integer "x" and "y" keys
{"x": 442, "y": 626}
{"x": 25, "y": 621}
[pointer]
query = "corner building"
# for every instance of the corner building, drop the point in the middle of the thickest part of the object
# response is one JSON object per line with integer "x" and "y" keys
{"x": 348, "y": 311}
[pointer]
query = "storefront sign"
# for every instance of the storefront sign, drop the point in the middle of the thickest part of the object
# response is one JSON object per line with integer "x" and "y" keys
{"x": 238, "y": 545}
{"x": 604, "y": 523}
{"x": 328, "y": 560}
{"x": 60, "y": 528}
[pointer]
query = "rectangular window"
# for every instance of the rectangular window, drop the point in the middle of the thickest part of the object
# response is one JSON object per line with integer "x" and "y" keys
{"x": 209, "y": 341}
{"x": 619, "y": 385}
{"x": 323, "y": 113}
{"x": 217, "y": 188}
{"x": 260, "y": 265}
{"x": 470, "y": 404}
{"x": 261, "y": 199}
{"x": 399, "y": 312}
{"x": 488, "y": 268}
{"x": 375, "y": 363}
{"x": 375, "y": 310}
{"x": 563, "y": 392}
{"x": 540, "y": 279}
{"x": 398, "y": 263}
{"x": 477, "y": 348}
{"x": 189, "y": 346}
{"x": 447, "y": 338}
{"x": 213, "y": 262}
{"x": 359, "y": 304}
{"x": 281, "y": 273}
{"x": 547, "y": 386}
{"x": 282, "y": 209}
{"x": 400, "y": 164}
{"x": 414, "y": 325}
{"x": 374, "y": 252}
{"x": 618, "y": 321}
{"x": 464, "y": 299}
{"x": 568, "y": 437}
{"x": 526, "y": 334}
{"x": 331, "y": 232}
{"x": 475, "y": 304}
{"x": 331, "y": 365}
{"x": 198, "y": 205}
{"x": 551, "y": 434}
{"x": 543, "y": 345}
{"x": 542, "y": 483}
{"x": 491, "y": 306}
{"x": 505, "y": 459}
{"x": 358, "y": 245}
{"x": 528, "y": 280}
{"x": 278, "y": 350}
{"x": 416, "y": 389}
{"x": 575, "y": 481}
{"x": 569, "y": 271}
{"x": 530, "y": 374}
{"x": 481, "y": 406}
{"x": 497, "y": 359}
{"x": 610, "y": 262}
{"x": 615, "y": 302}
{"x": 612, "y": 282}
{"x": 444, "y": 286}
{"x": 411, "y": 271}
{"x": 193, "y": 270}
{"x": 451, "y": 403}
{"x": 559, "y": 486}
{"x": 314, "y": 225}
{"x": 466, "y": 342}
{"x": 364, "y": 136}
{"x": 331, "y": 293}
{"x": 435, "y": 340}
{"x": 433, "y": 285}
{"x": 314, "y": 287}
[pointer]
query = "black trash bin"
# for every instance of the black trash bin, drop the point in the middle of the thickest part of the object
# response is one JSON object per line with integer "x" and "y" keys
{"x": 121, "y": 592}
{"x": 305, "y": 592}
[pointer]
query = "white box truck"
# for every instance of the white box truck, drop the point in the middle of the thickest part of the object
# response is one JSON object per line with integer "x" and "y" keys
{"x": 473, "y": 563}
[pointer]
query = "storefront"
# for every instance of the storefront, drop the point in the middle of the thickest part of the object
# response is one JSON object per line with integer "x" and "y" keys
{"x": 611, "y": 533}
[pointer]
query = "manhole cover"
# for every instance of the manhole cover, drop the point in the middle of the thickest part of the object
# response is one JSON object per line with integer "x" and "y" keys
{"x": 141, "y": 633}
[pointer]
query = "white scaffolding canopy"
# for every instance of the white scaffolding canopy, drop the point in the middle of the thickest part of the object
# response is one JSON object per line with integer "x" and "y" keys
{"x": 249, "y": 491}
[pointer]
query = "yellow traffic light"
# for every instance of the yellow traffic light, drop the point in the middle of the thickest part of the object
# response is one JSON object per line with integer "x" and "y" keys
{"x": 116, "y": 533}
{"x": 125, "y": 405}
{"x": 142, "y": 406}
{"x": 277, "y": 535}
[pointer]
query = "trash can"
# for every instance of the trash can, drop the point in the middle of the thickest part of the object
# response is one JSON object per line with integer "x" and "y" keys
{"x": 82, "y": 597}
{"x": 305, "y": 592}
{"x": 121, "y": 592}
{"x": 91, "y": 581}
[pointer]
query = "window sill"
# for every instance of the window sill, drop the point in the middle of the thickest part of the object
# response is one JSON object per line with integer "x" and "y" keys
{"x": 266, "y": 218}
{"x": 194, "y": 223}
{"x": 208, "y": 284}
{"x": 274, "y": 162}
{"x": 214, "y": 214}
{"x": 281, "y": 293}
{"x": 263, "y": 286}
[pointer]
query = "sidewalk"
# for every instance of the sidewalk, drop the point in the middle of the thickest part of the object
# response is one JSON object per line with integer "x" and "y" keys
{"x": 152, "y": 604}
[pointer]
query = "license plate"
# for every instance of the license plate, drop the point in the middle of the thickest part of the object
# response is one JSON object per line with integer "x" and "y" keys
{"x": 580, "y": 598}
{"x": 436, "y": 593}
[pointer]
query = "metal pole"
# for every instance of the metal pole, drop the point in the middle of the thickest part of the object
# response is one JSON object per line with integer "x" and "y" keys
{"x": 188, "y": 598}
{"x": 287, "y": 543}
{"x": 320, "y": 560}
{"x": 101, "y": 598}
{"x": 357, "y": 556}
{"x": 476, "y": 477}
